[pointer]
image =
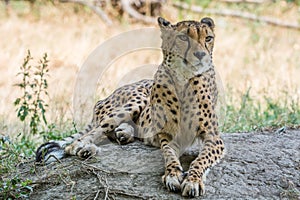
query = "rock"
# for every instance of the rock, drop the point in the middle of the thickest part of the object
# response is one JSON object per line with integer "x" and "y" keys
{"x": 256, "y": 166}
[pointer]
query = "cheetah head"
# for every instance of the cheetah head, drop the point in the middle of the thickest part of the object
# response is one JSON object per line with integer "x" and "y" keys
{"x": 188, "y": 44}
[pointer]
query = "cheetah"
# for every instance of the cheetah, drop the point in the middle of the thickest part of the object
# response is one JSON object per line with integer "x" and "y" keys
{"x": 171, "y": 112}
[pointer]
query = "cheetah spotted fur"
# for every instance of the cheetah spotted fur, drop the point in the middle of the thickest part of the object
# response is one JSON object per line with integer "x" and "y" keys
{"x": 172, "y": 111}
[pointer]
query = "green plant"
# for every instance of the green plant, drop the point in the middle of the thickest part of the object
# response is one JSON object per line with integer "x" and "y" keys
{"x": 250, "y": 114}
{"x": 55, "y": 133}
{"x": 14, "y": 152}
{"x": 34, "y": 86}
{"x": 15, "y": 188}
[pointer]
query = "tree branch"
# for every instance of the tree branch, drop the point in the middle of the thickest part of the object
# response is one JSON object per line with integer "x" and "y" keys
{"x": 244, "y": 1}
{"x": 126, "y": 5}
{"x": 238, "y": 14}
{"x": 95, "y": 9}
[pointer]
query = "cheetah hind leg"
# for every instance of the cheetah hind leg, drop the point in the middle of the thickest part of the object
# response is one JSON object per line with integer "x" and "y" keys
{"x": 56, "y": 150}
{"x": 122, "y": 134}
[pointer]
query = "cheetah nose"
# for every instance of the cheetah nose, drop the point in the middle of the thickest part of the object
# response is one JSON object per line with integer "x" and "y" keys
{"x": 199, "y": 54}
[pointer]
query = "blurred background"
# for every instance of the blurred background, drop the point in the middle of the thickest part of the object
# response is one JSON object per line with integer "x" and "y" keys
{"x": 257, "y": 55}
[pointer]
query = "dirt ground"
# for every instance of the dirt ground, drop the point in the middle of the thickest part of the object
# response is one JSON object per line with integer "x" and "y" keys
{"x": 257, "y": 166}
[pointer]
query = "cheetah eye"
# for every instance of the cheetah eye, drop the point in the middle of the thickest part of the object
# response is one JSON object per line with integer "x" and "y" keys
{"x": 183, "y": 37}
{"x": 209, "y": 38}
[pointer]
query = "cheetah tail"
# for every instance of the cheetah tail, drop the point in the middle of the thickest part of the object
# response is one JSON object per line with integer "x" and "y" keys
{"x": 55, "y": 150}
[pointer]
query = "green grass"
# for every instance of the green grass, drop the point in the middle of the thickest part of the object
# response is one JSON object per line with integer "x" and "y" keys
{"x": 252, "y": 114}
{"x": 21, "y": 149}
{"x": 15, "y": 188}
{"x": 13, "y": 153}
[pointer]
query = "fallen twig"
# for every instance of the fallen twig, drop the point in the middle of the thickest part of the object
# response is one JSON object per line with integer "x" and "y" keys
{"x": 105, "y": 185}
{"x": 106, "y": 190}
{"x": 109, "y": 190}
{"x": 125, "y": 193}
{"x": 238, "y": 14}
{"x": 102, "y": 170}
{"x": 97, "y": 194}
{"x": 94, "y": 167}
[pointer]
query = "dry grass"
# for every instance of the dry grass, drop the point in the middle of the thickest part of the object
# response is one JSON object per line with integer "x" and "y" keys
{"x": 246, "y": 54}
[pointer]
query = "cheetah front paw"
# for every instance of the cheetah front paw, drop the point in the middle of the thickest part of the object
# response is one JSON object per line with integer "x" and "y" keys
{"x": 87, "y": 151}
{"x": 173, "y": 178}
{"x": 192, "y": 187}
{"x": 81, "y": 150}
{"x": 124, "y": 133}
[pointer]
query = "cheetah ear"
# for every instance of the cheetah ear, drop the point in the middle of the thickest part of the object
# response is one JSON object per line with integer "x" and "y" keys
{"x": 163, "y": 23}
{"x": 208, "y": 21}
